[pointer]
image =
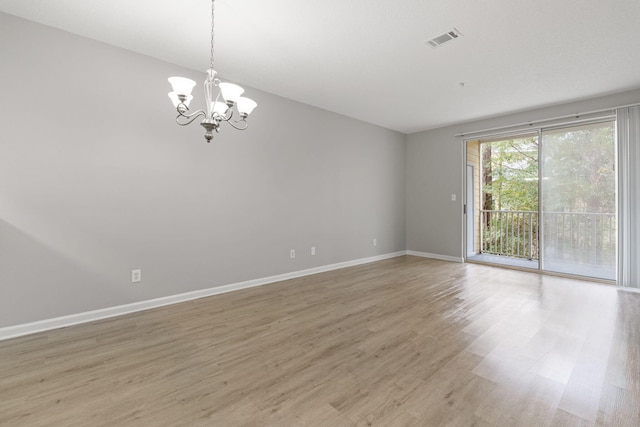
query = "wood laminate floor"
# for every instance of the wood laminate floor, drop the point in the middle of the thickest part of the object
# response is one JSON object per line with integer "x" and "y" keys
{"x": 402, "y": 342}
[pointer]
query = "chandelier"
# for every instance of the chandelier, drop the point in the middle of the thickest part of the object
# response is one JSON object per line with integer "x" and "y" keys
{"x": 223, "y": 100}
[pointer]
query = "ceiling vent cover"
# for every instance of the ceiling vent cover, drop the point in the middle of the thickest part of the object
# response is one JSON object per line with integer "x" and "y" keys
{"x": 444, "y": 38}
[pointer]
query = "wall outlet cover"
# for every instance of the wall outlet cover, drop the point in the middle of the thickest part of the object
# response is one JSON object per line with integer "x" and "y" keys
{"x": 136, "y": 276}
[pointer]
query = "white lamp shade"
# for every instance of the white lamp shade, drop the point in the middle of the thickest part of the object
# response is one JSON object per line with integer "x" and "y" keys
{"x": 181, "y": 85}
{"x": 230, "y": 92}
{"x": 175, "y": 100}
{"x": 219, "y": 107}
{"x": 245, "y": 105}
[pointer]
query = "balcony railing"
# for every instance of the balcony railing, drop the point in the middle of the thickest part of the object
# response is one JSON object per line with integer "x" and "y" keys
{"x": 586, "y": 238}
{"x": 510, "y": 233}
{"x": 581, "y": 238}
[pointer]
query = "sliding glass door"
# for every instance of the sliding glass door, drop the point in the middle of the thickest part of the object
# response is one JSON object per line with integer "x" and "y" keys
{"x": 578, "y": 200}
{"x": 545, "y": 200}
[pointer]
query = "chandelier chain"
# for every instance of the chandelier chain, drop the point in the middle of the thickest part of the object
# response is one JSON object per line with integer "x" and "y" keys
{"x": 212, "y": 28}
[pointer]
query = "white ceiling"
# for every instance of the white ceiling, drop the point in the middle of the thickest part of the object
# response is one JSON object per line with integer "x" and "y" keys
{"x": 367, "y": 58}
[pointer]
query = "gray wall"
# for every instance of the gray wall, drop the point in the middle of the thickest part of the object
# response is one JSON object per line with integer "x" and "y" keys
{"x": 435, "y": 171}
{"x": 96, "y": 179}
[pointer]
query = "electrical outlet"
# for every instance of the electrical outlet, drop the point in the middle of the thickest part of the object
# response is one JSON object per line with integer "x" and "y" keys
{"x": 453, "y": 197}
{"x": 136, "y": 276}
{"x": 292, "y": 253}
{"x": 313, "y": 250}
{"x": 375, "y": 242}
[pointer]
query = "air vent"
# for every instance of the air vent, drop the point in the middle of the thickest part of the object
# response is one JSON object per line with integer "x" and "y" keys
{"x": 444, "y": 38}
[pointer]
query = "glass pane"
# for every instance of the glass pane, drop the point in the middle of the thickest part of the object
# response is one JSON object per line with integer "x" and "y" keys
{"x": 507, "y": 200}
{"x": 579, "y": 200}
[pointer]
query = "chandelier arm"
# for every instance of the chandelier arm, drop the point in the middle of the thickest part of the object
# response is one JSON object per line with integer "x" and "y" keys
{"x": 246, "y": 125}
{"x": 235, "y": 122}
{"x": 227, "y": 116}
{"x": 191, "y": 117}
{"x": 181, "y": 111}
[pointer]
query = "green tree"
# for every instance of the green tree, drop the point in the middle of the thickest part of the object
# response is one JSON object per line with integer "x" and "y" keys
{"x": 513, "y": 179}
{"x": 579, "y": 170}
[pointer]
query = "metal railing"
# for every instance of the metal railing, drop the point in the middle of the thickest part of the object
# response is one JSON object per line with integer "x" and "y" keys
{"x": 584, "y": 238}
{"x": 510, "y": 233}
{"x": 588, "y": 238}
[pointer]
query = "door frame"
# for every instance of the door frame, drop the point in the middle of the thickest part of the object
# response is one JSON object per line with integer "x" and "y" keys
{"x": 469, "y": 212}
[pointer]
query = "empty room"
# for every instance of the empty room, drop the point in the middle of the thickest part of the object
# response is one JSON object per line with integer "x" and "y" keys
{"x": 319, "y": 213}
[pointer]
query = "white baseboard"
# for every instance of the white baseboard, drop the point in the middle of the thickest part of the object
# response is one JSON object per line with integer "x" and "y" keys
{"x": 628, "y": 289}
{"x": 104, "y": 313}
{"x": 436, "y": 256}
